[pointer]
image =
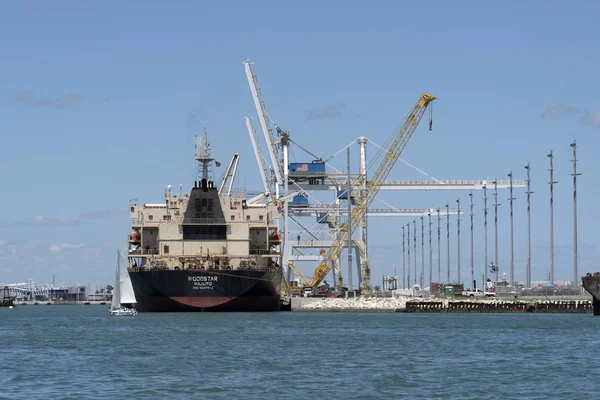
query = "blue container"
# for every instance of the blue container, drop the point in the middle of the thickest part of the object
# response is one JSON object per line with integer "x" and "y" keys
{"x": 342, "y": 194}
{"x": 322, "y": 219}
{"x": 314, "y": 167}
{"x": 299, "y": 200}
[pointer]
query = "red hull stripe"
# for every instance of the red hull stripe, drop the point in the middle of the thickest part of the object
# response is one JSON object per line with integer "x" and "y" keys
{"x": 202, "y": 302}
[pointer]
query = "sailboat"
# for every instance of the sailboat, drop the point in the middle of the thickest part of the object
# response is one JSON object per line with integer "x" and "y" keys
{"x": 123, "y": 299}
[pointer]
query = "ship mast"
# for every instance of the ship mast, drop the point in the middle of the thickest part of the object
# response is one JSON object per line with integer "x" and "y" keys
{"x": 203, "y": 155}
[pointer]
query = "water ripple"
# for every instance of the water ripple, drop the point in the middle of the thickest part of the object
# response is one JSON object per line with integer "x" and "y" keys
{"x": 79, "y": 352}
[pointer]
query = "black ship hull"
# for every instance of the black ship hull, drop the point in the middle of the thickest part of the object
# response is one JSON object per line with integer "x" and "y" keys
{"x": 206, "y": 290}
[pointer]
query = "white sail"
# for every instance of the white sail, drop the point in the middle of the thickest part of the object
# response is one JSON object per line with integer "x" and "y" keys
{"x": 116, "y": 293}
{"x": 126, "y": 288}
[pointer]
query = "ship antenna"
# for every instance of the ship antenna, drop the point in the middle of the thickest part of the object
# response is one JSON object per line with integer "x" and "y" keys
{"x": 203, "y": 155}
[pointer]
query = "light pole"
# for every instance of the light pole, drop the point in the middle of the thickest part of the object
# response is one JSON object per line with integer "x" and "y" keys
{"x": 485, "y": 236}
{"x": 415, "y": 248}
{"x": 496, "y": 227}
{"x": 439, "y": 248}
{"x": 575, "y": 258}
{"x": 430, "y": 252}
{"x": 403, "y": 260}
{"x": 471, "y": 215}
{"x": 552, "y": 182}
{"x": 349, "y": 204}
{"x": 408, "y": 258}
{"x": 512, "y": 243}
{"x": 529, "y": 192}
{"x": 448, "y": 240}
{"x": 458, "y": 241}
{"x": 422, "y": 252}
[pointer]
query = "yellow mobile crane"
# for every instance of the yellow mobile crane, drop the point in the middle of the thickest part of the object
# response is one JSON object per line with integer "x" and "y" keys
{"x": 395, "y": 145}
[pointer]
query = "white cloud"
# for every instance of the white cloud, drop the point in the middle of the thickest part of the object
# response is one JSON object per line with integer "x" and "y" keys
{"x": 63, "y": 101}
{"x": 332, "y": 111}
{"x": 57, "y": 248}
{"x": 586, "y": 118}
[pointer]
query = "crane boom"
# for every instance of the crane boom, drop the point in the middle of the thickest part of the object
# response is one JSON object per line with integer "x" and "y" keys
{"x": 399, "y": 139}
{"x": 264, "y": 124}
{"x": 233, "y": 162}
{"x": 259, "y": 157}
{"x": 235, "y": 167}
{"x": 297, "y": 272}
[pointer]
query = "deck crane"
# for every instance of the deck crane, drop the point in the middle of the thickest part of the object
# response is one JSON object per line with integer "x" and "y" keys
{"x": 263, "y": 117}
{"x": 231, "y": 172}
{"x": 303, "y": 280}
{"x": 397, "y": 142}
{"x": 264, "y": 172}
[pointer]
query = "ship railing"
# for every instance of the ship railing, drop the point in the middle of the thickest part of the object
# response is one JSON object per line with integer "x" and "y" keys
{"x": 204, "y": 221}
{"x": 263, "y": 268}
{"x": 143, "y": 252}
{"x": 261, "y": 252}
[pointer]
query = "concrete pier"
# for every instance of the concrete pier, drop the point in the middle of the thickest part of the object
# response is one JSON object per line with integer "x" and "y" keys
{"x": 591, "y": 283}
{"x": 441, "y": 305}
{"x": 499, "y": 306}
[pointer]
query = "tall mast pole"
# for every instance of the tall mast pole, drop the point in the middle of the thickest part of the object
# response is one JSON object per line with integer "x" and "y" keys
{"x": 403, "y": 260}
{"x": 472, "y": 260}
{"x": 422, "y": 252}
{"x": 439, "y": 248}
{"x": 408, "y": 249}
{"x": 512, "y": 243}
{"x": 485, "y": 237}
{"x": 496, "y": 228}
{"x": 574, "y": 174}
{"x": 448, "y": 241}
{"x": 286, "y": 215}
{"x": 363, "y": 233}
{"x": 430, "y": 252}
{"x": 415, "y": 248}
{"x": 529, "y": 192}
{"x": 458, "y": 241}
{"x": 552, "y": 182}
{"x": 349, "y": 186}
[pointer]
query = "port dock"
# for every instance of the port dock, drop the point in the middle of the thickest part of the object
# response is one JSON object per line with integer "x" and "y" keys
{"x": 591, "y": 283}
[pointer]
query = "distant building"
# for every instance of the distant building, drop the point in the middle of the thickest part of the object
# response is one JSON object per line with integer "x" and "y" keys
{"x": 30, "y": 291}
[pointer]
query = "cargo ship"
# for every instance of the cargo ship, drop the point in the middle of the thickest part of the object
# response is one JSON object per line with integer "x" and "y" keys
{"x": 207, "y": 250}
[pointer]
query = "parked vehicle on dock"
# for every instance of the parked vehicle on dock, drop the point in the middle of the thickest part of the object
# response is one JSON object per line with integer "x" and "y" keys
{"x": 474, "y": 293}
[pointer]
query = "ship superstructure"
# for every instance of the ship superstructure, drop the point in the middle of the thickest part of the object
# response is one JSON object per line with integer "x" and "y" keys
{"x": 206, "y": 249}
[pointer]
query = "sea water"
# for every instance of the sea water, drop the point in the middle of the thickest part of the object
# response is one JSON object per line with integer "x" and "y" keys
{"x": 80, "y": 352}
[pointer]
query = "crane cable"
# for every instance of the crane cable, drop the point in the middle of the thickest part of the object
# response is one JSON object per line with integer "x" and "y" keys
{"x": 431, "y": 117}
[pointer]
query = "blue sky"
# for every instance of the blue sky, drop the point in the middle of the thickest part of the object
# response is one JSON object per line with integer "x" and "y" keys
{"x": 100, "y": 103}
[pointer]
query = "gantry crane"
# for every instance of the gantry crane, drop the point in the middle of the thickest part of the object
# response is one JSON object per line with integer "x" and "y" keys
{"x": 303, "y": 280}
{"x": 231, "y": 172}
{"x": 263, "y": 117}
{"x": 260, "y": 161}
{"x": 396, "y": 144}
